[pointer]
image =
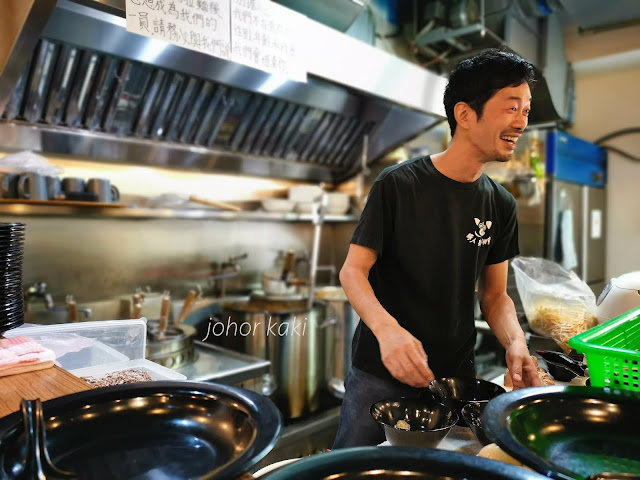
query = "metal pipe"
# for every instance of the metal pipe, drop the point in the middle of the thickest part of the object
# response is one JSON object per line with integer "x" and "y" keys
{"x": 364, "y": 169}
{"x": 319, "y": 209}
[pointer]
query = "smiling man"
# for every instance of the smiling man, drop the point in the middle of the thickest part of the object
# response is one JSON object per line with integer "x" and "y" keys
{"x": 433, "y": 228}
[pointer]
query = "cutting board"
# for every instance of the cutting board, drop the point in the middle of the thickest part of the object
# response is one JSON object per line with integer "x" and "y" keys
{"x": 43, "y": 384}
{"x": 66, "y": 203}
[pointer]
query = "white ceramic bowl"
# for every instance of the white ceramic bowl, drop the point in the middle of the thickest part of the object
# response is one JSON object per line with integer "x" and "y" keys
{"x": 280, "y": 205}
{"x": 304, "y": 207}
{"x": 304, "y": 193}
{"x": 338, "y": 203}
{"x": 272, "y": 284}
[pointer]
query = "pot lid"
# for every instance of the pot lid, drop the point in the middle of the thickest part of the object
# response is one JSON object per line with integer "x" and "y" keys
{"x": 154, "y": 429}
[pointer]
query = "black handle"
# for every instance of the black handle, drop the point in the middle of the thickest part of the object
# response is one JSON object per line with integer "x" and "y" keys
{"x": 81, "y": 196}
{"x": 37, "y": 463}
{"x": 288, "y": 263}
{"x": 563, "y": 360}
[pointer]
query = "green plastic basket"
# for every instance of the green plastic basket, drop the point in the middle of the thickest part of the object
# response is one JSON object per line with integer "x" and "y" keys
{"x": 612, "y": 350}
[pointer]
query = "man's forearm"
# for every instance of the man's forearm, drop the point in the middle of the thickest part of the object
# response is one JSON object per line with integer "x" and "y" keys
{"x": 363, "y": 300}
{"x": 500, "y": 314}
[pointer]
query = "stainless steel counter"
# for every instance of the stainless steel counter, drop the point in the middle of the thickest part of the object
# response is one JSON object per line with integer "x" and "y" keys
{"x": 223, "y": 365}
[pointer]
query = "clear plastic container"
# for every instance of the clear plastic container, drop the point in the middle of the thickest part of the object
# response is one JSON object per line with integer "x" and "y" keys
{"x": 88, "y": 344}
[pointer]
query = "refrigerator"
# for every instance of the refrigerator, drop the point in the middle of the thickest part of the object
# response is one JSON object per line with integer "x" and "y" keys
{"x": 567, "y": 221}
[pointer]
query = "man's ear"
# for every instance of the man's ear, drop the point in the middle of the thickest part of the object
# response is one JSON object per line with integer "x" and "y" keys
{"x": 464, "y": 114}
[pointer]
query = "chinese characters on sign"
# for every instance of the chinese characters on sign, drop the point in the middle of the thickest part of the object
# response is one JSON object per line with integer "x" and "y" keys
{"x": 257, "y": 33}
{"x": 201, "y": 25}
{"x": 266, "y": 36}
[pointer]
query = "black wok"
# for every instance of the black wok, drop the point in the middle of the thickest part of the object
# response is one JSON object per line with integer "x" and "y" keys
{"x": 147, "y": 430}
{"x": 568, "y": 432}
{"x": 401, "y": 463}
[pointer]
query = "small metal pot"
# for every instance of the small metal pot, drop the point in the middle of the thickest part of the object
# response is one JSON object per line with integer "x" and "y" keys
{"x": 172, "y": 349}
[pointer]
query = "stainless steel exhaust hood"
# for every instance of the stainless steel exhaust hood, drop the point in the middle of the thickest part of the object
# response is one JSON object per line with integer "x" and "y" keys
{"x": 78, "y": 83}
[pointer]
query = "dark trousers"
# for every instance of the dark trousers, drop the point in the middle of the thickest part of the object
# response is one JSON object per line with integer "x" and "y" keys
{"x": 356, "y": 427}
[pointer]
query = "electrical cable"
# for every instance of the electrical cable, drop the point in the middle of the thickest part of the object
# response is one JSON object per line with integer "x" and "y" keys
{"x": 626, "y": 155}
{"x": 619, "y": 133}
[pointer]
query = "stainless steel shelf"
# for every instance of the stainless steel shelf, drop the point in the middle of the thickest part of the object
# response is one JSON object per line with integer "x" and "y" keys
{"x": 135, "y": 213}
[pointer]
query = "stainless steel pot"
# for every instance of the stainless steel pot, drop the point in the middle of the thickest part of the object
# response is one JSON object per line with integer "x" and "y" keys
{"x": 172, "y": 349}
{"x": 287, "y": 334}
{"x": 342, "y": 320}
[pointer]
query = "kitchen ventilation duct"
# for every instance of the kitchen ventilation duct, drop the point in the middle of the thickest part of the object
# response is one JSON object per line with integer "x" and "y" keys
{"x": 78, "y": 83}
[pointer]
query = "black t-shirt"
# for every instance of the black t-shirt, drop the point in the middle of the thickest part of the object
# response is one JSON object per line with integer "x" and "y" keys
{"x": 433, "y": 236}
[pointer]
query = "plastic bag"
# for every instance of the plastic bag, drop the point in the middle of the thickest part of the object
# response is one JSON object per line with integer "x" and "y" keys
{"x": 556, "y": 302}
{"x": 28, "y": 161}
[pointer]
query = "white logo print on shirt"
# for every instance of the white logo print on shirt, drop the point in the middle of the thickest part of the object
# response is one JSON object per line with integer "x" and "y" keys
{"x": 477, "y": 237}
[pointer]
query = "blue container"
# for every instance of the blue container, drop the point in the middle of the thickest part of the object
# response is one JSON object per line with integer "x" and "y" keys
{"x": 575, "y": 160}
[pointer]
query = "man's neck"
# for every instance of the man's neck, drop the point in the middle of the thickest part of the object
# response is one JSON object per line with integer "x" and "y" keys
{"x": 457, "y": 164}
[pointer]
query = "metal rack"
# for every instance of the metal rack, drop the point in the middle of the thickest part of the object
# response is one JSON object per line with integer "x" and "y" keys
{"x": 136, "y": 213}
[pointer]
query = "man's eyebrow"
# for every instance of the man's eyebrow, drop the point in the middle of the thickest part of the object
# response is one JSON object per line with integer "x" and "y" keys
{"x": 515, "y": 97}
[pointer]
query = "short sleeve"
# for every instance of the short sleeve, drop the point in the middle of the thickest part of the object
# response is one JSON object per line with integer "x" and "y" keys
{"x": 375, "y": 226}
{"x": 506, "y": 245}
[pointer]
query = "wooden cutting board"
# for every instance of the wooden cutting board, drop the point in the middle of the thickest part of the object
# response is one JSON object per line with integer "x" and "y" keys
{"x": 43, "y": 384}
{"x": 66, "y": 203}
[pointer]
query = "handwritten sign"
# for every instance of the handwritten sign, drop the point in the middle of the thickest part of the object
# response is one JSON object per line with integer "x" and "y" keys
{"x": 201, "y": 25}
{"x": 266, "y": 36}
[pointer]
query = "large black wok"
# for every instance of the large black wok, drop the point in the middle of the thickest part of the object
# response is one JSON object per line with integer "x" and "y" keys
{"x": 401, "y": 463}
{"x": 568, "y": 432}
{"x": 146, "y": 430}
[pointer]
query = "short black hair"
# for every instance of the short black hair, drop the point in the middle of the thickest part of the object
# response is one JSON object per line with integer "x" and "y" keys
{"x": 475, "y": 80}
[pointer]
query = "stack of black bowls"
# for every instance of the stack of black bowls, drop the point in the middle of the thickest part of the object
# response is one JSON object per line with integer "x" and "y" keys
{"x": 11, "y": 294}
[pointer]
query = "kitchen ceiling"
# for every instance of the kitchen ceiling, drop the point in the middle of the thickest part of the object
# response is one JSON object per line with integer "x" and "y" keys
{"x": 598, "y": 15}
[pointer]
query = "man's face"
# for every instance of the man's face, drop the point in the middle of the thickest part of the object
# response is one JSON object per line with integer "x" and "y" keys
{"x": 504, "y": 118}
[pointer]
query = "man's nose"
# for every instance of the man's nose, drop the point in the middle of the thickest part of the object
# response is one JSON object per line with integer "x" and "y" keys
{"x": 521, "y": 122}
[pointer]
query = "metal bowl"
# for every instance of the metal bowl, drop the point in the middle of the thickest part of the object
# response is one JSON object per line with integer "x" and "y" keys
{"x": 472, "y": 415}
{"x": 145, "y": 430}
{"x": 568, "y": 432}
{"x": 401, "y": 463}
{"x": 457, "y": 392}
{"x": 429, "y": 422}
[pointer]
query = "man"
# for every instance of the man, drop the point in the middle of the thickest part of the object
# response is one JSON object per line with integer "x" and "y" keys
{"x": 433, "y": 228}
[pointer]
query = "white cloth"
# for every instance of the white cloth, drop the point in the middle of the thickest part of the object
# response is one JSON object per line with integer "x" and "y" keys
{"x": 567, "y": 240}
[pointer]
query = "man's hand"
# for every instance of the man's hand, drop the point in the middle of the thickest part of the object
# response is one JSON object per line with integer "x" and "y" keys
{"x": 404, "y": 357}
{"x": 522, "y": 369}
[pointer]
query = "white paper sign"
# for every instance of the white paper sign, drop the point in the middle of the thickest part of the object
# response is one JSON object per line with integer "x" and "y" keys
{"x": 201, "y": 25}
{"x": 596, "y": 223}
{"x": 265, "y": 35}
